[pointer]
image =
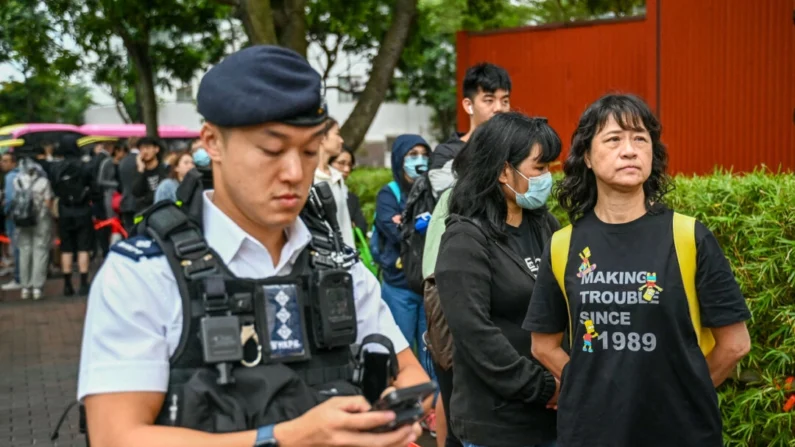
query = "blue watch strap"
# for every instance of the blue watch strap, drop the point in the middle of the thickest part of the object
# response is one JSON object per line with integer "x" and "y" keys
{"x": 265, "y": 437}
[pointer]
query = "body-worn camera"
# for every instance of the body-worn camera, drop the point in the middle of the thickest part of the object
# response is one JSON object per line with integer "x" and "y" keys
{"x": 334, "y": 308}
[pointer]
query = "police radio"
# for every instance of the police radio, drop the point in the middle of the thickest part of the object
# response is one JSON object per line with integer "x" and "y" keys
{"x": 333, "y": 307}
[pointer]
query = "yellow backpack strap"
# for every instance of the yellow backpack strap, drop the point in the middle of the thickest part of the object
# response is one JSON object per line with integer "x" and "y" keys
{"x": 685, "y": 244}
{"x": 559, "y": 255}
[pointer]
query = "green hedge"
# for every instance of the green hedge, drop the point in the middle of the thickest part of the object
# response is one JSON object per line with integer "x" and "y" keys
{"x": 753, "y": 217}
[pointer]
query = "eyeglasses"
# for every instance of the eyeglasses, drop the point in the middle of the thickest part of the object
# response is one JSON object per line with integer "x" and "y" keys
{"x": 344, "y": 164}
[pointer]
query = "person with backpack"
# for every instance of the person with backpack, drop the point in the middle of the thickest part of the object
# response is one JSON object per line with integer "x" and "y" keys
{"x": 103, "y": 184}
{"x": 643, "y": 297}
{"x": 30, "y": 211}
{"x": 409, "y": 161}
{"x": 9, "y": 164}
{"x": 72, "y": 187}
{"x": 497, "y": 230}
{"x": 487, "y": 90}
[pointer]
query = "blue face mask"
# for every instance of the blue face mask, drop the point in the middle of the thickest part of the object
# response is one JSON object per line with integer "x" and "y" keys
{"x": 201, "y": 158}
{"x": 538, "y": 191}
{"x": 415, "y": 165}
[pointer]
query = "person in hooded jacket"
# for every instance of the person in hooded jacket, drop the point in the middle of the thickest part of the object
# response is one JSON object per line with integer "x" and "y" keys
{"x": 485, "y": 274}
{"x": 409, "y": 160}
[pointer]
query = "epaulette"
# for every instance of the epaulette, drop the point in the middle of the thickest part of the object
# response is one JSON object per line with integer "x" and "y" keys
{"x": 137, "y": 247}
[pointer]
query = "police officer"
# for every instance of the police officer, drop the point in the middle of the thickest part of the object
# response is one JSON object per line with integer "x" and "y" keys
{"x": 264, "y": 123}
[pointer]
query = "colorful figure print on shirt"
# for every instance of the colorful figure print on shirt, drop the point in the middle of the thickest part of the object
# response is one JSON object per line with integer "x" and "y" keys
{"x": 590, "y": 334}
{"x": 652, "y": 290}
{"x": 586, "y": 267}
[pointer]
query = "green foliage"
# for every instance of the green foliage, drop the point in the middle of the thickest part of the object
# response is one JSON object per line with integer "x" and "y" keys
{"x": 365, "y": 183}
{"x": 40, "y": 89}
{"x": 753, "y": 218}
{"x": 125, "y": 41}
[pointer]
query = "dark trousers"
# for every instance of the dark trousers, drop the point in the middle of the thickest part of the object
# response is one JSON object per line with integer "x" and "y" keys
{"x": 103, "y": 234}
{"x": 445, "y": 381}
{"x": 127, "y": 219}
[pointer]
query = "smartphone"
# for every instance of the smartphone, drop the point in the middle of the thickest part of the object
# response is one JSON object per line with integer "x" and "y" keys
{"x": 406, "y": 403}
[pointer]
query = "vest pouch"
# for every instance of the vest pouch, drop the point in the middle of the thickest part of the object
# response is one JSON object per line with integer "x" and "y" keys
{"x": 262, "y": 395}
{"x": 194, "y": 400}
{"x": 272, "y": 394}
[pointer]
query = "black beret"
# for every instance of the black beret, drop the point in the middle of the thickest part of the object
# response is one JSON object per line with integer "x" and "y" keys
{"x": 262, "y": 84}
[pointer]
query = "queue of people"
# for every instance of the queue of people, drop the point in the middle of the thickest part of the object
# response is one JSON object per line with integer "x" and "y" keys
{"x": 60, "y": 198}
{"x": 606, "y": 332}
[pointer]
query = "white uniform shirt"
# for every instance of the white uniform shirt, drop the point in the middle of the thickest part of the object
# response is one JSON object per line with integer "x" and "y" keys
{"x": 134, "y": 315}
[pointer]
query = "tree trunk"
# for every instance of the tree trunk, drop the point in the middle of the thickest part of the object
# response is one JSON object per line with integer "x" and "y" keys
{"x": 292, "y": 25}
{"x": 139, "y": 54}
{"x": 257, "y": 18}
{"x": 360, "y": 119}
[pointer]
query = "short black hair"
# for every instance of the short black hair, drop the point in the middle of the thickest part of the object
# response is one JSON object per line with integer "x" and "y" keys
{"x": 149, "y": 141}
{"x": 486, "y": 77}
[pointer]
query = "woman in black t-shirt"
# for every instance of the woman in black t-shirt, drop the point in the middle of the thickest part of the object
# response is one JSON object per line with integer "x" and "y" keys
{"x": 632, "y": 297}
{"x": 485, "y": 272}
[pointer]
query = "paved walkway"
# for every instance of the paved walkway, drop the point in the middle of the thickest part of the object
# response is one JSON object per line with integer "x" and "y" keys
{"x": 39, "y": 356}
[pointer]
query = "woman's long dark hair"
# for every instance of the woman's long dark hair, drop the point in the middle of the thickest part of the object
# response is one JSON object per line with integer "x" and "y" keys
{"x": 505, "y": 138}
{"x": 577, "y": 192}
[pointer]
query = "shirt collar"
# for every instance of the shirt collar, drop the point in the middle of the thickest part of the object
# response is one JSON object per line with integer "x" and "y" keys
{"x": 334, "y": 177}
{"x": 226, "y": 237}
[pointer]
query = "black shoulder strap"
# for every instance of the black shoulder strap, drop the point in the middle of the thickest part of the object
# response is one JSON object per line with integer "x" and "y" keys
{"x": 186, "y": 250}
{"x": 189, "y": 196}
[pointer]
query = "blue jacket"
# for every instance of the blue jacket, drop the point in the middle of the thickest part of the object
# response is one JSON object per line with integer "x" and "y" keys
{"x": 387, "y": 207}
{"x": 9, "y": 189}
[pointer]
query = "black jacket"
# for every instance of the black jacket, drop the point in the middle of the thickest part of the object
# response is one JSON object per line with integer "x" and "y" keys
{"x": 355, "y": 210}
{"x": 446, "y": 151}
{"x": 499, "y": 391}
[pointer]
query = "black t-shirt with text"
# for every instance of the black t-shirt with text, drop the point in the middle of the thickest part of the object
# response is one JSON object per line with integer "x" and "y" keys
{"x": 146, "y": 184}
{"x": 637, "y": 376}
{"x": 524, "y": 240}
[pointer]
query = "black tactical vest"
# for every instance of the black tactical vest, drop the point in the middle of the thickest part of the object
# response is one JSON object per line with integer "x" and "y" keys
{"x": 254, "y": 352}
{"x": 296, "y": 337}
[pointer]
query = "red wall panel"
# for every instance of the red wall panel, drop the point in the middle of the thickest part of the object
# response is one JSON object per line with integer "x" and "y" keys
{"x": 720, "y": 74}
{"x": 556, "y": 73}
{"x": 727, "y": 82}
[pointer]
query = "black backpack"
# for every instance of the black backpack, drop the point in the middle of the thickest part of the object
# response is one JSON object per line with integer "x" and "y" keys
{"x": 71, "y": 186}
{"x": 23, "y": 206}
{"x": 419, "y": 202}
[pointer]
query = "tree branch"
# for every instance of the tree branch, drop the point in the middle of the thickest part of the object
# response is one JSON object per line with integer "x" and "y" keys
{"x": 343, "y": 89}
{"x": 229, "y": 2}
{"x": 331, "y": 57}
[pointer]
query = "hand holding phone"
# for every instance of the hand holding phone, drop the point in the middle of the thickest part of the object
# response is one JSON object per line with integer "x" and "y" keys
{"x": 406, "y": 403}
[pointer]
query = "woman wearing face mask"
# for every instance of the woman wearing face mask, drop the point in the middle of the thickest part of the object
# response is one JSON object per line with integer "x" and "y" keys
{"x": 485, "y": 274}
{"x": 409, "y": 161}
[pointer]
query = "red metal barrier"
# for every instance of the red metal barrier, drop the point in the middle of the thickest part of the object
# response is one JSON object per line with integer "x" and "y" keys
{"x": 114, "y": 223}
